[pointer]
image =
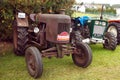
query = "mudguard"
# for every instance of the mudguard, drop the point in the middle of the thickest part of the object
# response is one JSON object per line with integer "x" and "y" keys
{"x": 82, "y": 20}
{"x": 22, "y": 22}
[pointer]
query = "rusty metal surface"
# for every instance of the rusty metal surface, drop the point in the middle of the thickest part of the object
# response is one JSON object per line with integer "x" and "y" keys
{"x": 32, "y": 17}
{"x": 59, "y": 51}
{"x": 52, "y": 21}
{"x": 53, "y": 17}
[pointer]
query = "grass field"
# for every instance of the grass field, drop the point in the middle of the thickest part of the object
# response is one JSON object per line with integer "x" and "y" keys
{"x": 105, "y": 66}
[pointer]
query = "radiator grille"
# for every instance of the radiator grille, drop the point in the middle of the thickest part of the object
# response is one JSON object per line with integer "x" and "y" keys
{"x": 63, "y": 27}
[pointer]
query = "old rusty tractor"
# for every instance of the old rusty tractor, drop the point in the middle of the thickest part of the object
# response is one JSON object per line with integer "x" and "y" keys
{"x": 97, "y": 31}
{"x": 47, "y": 35}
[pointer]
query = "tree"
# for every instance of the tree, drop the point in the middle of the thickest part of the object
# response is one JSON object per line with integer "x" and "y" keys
{"x": 28, "y": 6}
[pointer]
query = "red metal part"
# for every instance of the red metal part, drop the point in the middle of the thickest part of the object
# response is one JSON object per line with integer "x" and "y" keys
{"x": 113, "y": 21}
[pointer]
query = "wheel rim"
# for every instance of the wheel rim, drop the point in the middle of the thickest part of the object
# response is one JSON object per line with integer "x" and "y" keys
{"x": 80, "y": 56}
{"x": 113, "y": 30}
{"x": 107, "y": 42}
{"x": 31, "y": 63}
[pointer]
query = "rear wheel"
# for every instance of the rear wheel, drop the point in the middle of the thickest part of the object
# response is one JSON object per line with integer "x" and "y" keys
{"x": 110, "y": 41}
{"x": 20, "y": 39}
{"x": 82, "y": 55}
{"x": 34, "y": 62}
{"x": 115, "y": 29}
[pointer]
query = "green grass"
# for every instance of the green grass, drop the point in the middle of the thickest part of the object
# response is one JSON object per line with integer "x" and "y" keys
{"x": 105, "y": 66}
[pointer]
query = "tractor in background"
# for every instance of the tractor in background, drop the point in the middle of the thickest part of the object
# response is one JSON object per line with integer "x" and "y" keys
{"x": 114, "y": 27}
{"x": 95, "y": 31}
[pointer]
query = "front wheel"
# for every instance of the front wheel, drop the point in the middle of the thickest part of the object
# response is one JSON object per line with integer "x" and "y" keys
{"x": 110, "y": 41}
{"x": 34, "y": 62}
{"x": 82, "y": 55}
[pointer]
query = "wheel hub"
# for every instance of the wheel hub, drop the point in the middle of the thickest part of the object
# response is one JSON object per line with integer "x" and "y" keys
{"x": 80, "y": 57}
{"x": 107, "y": 42}
{"x": 113, "y": 30}
{"x": 31, "y": 63}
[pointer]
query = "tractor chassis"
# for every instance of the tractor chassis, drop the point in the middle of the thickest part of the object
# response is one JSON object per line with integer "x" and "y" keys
{"x": 57, "y": 51}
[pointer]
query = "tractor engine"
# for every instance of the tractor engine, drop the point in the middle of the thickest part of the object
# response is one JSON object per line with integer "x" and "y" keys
{"x": 53, "y": 28}
{"x": 81, "y": 24}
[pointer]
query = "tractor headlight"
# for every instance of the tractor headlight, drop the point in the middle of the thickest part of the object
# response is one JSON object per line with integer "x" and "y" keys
{"x": 103, "y": 23}
{"x": 96, "y": 22}
{"x": 36, "y": 30}
{"x": 78, "y": 24}
{"x": 89, "y": 21}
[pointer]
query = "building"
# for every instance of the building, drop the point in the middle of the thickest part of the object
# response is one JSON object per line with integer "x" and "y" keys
{"x": 80, "y": 8}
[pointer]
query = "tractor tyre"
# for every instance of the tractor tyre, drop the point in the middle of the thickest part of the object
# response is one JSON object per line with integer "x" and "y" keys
{"x": 20, "y": 39}
{"x": 82, "y": 55}
{"x": 34, "y": 62}
{"x": 115, "y": 29}
{"x": 76, "y": 37}
{"x": 110, "y": 41}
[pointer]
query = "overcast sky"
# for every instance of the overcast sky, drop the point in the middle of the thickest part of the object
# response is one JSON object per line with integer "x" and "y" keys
{"x": 100, "y": 1}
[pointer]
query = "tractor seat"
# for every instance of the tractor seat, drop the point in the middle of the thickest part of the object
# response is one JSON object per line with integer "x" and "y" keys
{"x": 32, "y": 17}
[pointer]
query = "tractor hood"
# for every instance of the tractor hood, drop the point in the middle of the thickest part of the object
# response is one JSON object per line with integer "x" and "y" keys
{"x": 45, "y": 18}
{"x": 56, "y": 25}
{"x": 52, "y": 17}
